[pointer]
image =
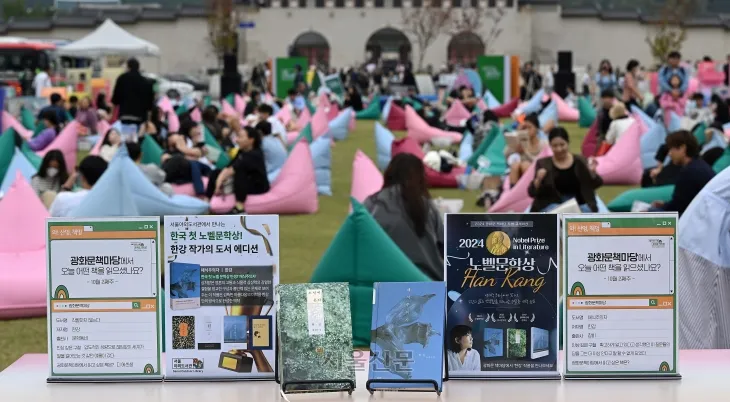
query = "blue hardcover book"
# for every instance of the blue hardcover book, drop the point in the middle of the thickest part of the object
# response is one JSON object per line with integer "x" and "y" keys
{"x": 408, "y": 334}
{"x": 493, "y": 342}
{"x": 184, "y": 286}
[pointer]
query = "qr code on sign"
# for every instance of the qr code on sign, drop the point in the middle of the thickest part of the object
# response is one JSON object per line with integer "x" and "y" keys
{"x": 183, "y": 332}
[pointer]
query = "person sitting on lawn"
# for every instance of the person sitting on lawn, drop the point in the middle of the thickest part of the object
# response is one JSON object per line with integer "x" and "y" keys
{"x": 48, "y": 134}
{"x": 529, "y": 146}
{"x": 154, "y": 173}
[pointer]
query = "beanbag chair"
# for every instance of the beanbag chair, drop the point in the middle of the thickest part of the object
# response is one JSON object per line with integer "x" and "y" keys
{"x": 22, "y": 253}
{"x": 565, "y": 111}
{"x": 371, "y": 112}
{"x": 304, "y": 118}
{"x": 361, "y": 254}
{"x": 699, "y": 134}
{"x": 650, "y": 143}
{"x": 481, "y": 106}
{"x": 211, "y": 142}
{"x": 284, "y": 114}
{"x": 590, "y": 142}
{"x": 495, "y": 163}
{"x": 322, "y": 159}
{"x": 534, "y": 104}
{"x": 366, "y": 178}
{"x": 550, "y": 113}
{"x": 319, "y": 123}
{"x": 466, "y": 148}
{"x": 456, "y": 115}
{"x": 173, "y": 122}
{"x": 275, "y": 155}
{"x": 102, "y": 128}
{"x": 474, "y": 80}
{"x": 722, "y": 162}
{"x": 624, "y": 201}
{"x": 304, "y": 135}
{"x": 648, "y": 121}
{"x": 386, "y": 108}
{"x": 421, "y": 132}
{"x": 602, "y": 208}
{"x": 434, "y": 178}
{"x": 414, "y": 103}
{"x": 7, "y": 150}
{"x": 294, "y": 191}
{"x": 586, "y": 112}
{"x": 396, "y": 118}
{"x": 238, "y": 104}
{"x": 483, "y": 146}
{"x": 506, "y": 109}
{"x": 622, "y": 163}
{"x": 673, "y": 122}
{"x": 516, "y": 198}
{"x": 196, "y": 116}
{"x": 66, "y": 142}
{"x": 490, "y": 100}
{"x": 187, "y": 188}
{"x": 717, "y": 141}
{"x": 227, "y": 109}
{"x": 9, "y": 121}
{"x": 333, "y": 110}
{"x": 18, "y": 165}
{"x": 151, "y": 151}
{"x": 27, "y": 119}
{"x": 123, "y": 190}
{"x": 165, "y": 105}
{"x": 339, "y": 126}
{"x": 383, "y": 143}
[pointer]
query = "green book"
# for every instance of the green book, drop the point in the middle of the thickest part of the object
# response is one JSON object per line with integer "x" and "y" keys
{"x": 315, "y": 336}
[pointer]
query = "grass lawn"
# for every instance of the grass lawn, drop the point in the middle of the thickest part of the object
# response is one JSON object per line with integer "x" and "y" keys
{"x": 303, "y": 241}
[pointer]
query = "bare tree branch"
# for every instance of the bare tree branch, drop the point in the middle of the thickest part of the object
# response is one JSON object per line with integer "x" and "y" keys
{"x": 223, "y": 22}
{"x": 669, "y": 33}
{"x": 425, "y": 24}
{"x": 476, "y": 19}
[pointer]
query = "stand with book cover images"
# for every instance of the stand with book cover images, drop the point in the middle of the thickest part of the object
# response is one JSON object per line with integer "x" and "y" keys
{"x": 408, "y": 352}
{"x": 314, "y": 338}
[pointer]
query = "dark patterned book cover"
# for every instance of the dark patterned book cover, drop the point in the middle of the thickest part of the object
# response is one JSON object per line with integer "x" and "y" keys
{"x": 315, "y": 335}
{"x": 408, "y": 334}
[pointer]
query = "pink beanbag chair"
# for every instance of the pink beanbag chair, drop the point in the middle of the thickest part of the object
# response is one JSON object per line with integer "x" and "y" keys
{"x": 9, "y": 121}
{"x": 22, "y": 253}
{"x": 565, "y": 111}
{"x": 590, "y": 141}
{"x": 420, "y": 131}
{"x": 622, "y": 163}
{"x": 196, "y": 116}
{"x": 507, "y": 109}
{"x": 173, "y": 122}
{"x": 102, "y": 127}
{"x": 323, "y": 101}
{"x": 333, "y": 111}
{"x": 165, "y": 105}
{"x": 352, "y": 121}
{"x": 238, "y": 104}
{"x": 66, "y": 142}
{"x": 304, "y": 118}
{"x": 291, "y": 136}
{"x": 396, "y": 118}
{"x": 227, "y": 109}
{"x": 516, "y": 198}
{"x": 284, "y": 114}
{"x": 433, "y": 178}
{"x": 320, "y": 123}
{"x": 456, "y": 114}
{"x": 293, "y": 192}
{"x": 708, "y": 76}
{"x": 187, "y": 188}
{"x": 653, "y": 82}
{"x": 366, "y": 178}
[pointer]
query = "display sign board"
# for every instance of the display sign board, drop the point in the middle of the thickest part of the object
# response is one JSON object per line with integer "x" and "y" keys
{"x": 621, "y": 304}
{"x": 104, "y": 320}
{"x": 502, "y": 295}
{"x": 495, "y": 74}
{"x": 220, "y": 275}
{"x": 285, "y": 74}
{"x": 334, "y": 83}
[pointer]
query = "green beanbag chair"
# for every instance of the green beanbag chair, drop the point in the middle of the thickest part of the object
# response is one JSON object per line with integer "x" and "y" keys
{"x": 699, "y": 133}
{"x": 151, "y": 151}
{"x": 722, "y": 162}
{"x": 361, "y": 254}
{"x": 29, "y": 154}
{"x": 372, "y": 112}
{"x": 495, "y": 154}
{"x": 587, "y": 114}
{"x": 473, "y": 161}
{"x": 305, "y": 134}
{"x": 624, "y": 201}
{"x": 27, "y": 119}
{"x": 311, "y": 107}
{"x": 210, "y": 141}
{"x": 416, "y": 105}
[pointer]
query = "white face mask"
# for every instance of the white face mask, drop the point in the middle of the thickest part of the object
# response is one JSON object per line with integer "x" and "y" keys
{"x": 51, "y": 172}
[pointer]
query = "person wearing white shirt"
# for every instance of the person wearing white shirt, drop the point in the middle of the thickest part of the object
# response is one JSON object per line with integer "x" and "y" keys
{"x": 620, "y": 122}
{"x": 461, "y": 356}
{"x": 265, "y": 113}
{"x": 89, "y": 172}
{"x": 41, "y": 81}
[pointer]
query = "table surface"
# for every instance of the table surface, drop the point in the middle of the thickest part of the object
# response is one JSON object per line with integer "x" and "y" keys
{"x": 706, "y": 378}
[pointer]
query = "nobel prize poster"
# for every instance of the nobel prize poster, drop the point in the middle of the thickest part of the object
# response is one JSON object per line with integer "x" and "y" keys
{"x": 220, "y": 273}
{"x": 502, "y": 295}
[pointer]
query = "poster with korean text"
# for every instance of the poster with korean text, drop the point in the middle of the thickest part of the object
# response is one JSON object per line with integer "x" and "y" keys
{"x": 621, "y": 295}
{"x": 104, "y": 313}
{"x": 220, "y": 274}
{"x": 502, "y": 295}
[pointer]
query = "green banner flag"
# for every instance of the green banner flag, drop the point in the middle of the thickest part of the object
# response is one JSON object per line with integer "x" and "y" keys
{"x": 285, "y": 73}
{"x": 492, "y": 72}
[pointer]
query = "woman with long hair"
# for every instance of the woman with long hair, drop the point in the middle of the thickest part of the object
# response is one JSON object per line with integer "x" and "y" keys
{"x": 404, "y": 209}
{"x": 52, "y": 177}
{"x": 110, "y": 144}
{"x": 605, "y": 78}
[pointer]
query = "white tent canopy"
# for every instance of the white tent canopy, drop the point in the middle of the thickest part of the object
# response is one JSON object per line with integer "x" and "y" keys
{"x": 109, "y": 40}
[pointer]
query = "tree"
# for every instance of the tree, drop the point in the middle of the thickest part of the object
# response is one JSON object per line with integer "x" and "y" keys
{"x": 19, "y": 9}
{"x": 668, "y": 33}
{"x": 425, "y": 24}
{"x": 223, "y": 19}
{"x": 476, "y": 19}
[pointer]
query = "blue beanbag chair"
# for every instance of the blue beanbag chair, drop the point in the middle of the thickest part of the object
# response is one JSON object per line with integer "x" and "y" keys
{"x": 490, "y": 100}
{"x": 123, "y": 190}
{"x": 475, "y": 80}
{"x": 650, "y": 143}
{"x": 340, "y": 125}
{"x": 675, "y": 123}
{"x": 466, "y": 149}
{"x": 534, "y": 104}
{"x": 648, "y": 121}
{"x": 321, "y": 150}
{"x": 386, "y": 108}
{"x": 549, "y": 113}
{"x": 717, "y": 141}
{"x": 21, "y": 164}
{"x": 275, "y": 154}
{"x": 383, "y": 142}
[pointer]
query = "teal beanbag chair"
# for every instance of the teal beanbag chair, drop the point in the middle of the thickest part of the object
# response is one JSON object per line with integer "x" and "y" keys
{"x": 210, "y": 141}
{"x": 372, "y": 112}
{"x": 27, "y": 119}
{"x": 361, "y": 254}
{"x": 699, "y": 133}
{"x": 624, "y": 201}
{"x": 587, "y": 114}
{"x": 497, "y": 165}
{"x": 722, "y": 162}
{"x": 304, "y": 134}
{"x": 151, "y": 151}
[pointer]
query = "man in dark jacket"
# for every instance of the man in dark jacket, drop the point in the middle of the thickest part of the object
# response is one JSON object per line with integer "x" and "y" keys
{"x": 134, "y": 96}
